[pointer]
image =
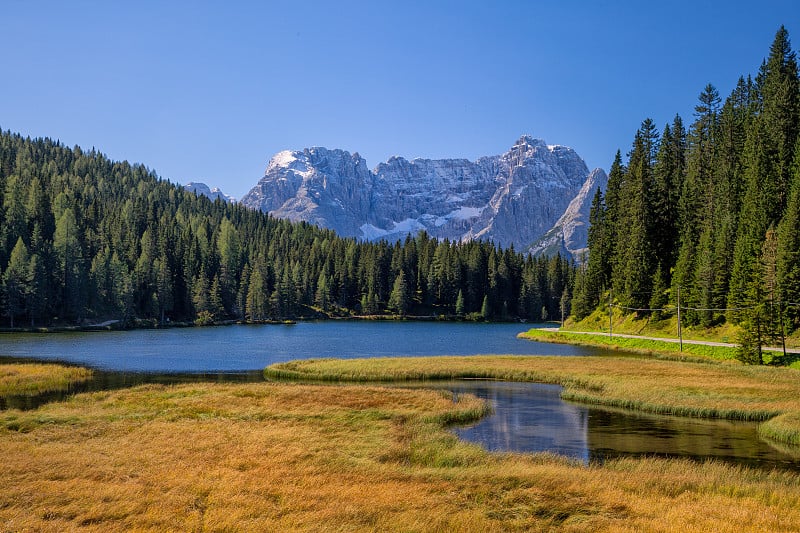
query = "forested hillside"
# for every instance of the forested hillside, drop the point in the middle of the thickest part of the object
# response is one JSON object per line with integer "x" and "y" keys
{"x": 708, "y": 214}
{"x": 85, "y": 239}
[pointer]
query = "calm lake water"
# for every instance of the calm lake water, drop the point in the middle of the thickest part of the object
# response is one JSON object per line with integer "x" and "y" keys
{"x": 240, "y": 348}
{"x": 528, "y": 417}
{"x": 532, "y": 417}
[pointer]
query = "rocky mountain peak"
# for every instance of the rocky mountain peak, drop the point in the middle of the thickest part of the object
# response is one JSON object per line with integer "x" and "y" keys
{"x": 199, "y": 188}
{"x": 570, "y": 233}
{"x": 513, "y": 198}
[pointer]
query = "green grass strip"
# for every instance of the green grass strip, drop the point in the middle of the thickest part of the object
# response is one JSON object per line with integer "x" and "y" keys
{"x": 656, "y": 348}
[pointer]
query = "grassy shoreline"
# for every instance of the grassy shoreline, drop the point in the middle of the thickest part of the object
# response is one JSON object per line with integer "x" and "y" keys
{"x": 650, "y": 385}
{"x": 654, "y": 348}
{"x": 667, "y": 327}
{"x": 30, "y": 379}
{"x": 692, "y": 350}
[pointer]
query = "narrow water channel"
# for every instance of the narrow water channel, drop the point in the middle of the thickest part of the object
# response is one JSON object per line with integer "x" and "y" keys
{"x": 532, "y": 417}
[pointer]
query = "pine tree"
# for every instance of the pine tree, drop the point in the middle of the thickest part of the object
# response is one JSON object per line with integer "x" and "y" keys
{"x": 788, "y": 248}
{"x": 594, "y": 279}
{"x": 15, "y": 281}
{"x": 122, "y": 288}
{"x": 398, "y": 300}
{"x": 753, "y": 220}
{"x": 667, "y": 182}
{"x": 769, "y": 151}
{"x": 773, "y": 312}
{"x": 735, "y": 117}
{"x": 696, "y": 206}
{"x": 634, "y": 263}
{"x": 201, "y": 296}
{"x": 215, "y": 305}
{"x": 36, "y": 301}
{"x": 322, "y": 297}
{"x": 460, "y": 303}
{"x": 486, "y": 312}
{"x": 68, "y": 250}
{"x": 257, "y": 301}
{"x": 780, "y": 115}
{"x": 164, "y": 289}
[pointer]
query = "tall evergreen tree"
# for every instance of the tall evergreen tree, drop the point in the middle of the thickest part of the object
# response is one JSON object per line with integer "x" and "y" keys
{"x": 780, "y": 109}
{"x": 70, "y": 273}
{"x": 399, "y": 300}
{"x": 635, "y": 261}
{"x": 788, "y": 249}
{"x": 15, "y": 281}
{"x": 753, "y": 220}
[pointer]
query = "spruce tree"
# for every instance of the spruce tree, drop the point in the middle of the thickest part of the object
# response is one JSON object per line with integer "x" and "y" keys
{"x": 667, "y": 182}
{"x": 613, "y": 204}
{"x": 780, "y": 94}
{"x": 635, "y": 259}
{"x": 15, "y": 281}
{"x": 70, "y": 273}
{"x": 36, "y": 301}
{"x": 460, "y": 303}
{"x": 753, "y": 220}
{"x": 257, "y": 300}
{"x": 486, "y": 312}
{"x": 788, "y": 249}
{"x": 398, "y": 300}
{"x": 697, "y": 203}
{"x": 591, "y": 280}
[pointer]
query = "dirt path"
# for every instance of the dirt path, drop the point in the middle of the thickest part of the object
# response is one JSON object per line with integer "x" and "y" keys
{"x": 668, "y": 339}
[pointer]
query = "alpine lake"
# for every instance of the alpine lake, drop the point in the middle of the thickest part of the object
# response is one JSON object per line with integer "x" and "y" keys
{"x": 526, "y": 417}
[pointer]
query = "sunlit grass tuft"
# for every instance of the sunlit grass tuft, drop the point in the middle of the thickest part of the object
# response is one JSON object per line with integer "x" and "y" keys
{"x": 31, "y": 379}
{"x": 784, "y": 428}
{"x": 656, "y": 386}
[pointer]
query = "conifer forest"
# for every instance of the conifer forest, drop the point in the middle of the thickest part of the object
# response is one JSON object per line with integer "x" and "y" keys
{"x": 708, "y": 213}
{"x": 84, "y": 239}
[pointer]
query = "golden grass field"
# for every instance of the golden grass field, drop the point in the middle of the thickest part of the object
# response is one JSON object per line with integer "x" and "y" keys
{"x": 289, "y": 457}
{"x": 30, "y": 379}
{"x": 701, "y": 389}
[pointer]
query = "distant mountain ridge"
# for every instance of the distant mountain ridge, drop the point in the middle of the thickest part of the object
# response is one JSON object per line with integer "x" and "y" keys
{"x": 512, "y": 199}
{"x": 204, "y": 190}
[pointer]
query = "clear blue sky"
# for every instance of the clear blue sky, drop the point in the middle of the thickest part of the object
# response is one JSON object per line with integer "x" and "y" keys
{"x": 208, "y": 91}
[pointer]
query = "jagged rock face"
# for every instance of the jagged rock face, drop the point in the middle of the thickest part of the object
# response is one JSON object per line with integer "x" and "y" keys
{"x": 203, "y": 189}
{"x": 513, "y": 198}
{"x": 329, "y": 188}
{"x": 570, "y": 233}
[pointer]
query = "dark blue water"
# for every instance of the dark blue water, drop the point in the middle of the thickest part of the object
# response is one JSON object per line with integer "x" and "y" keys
{"x": 252, "y": 347}
{"x": 532, "y": 417}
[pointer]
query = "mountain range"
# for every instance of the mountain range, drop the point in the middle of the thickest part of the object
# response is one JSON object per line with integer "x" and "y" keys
{"x": 203, "y": 189}
{"x": 535, "y": 196}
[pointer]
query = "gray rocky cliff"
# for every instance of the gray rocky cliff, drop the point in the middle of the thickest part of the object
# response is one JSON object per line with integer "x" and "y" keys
{"x": 203, "y": 189}
{"x": 513, "y": 198}
{"x": 570, "y": 233}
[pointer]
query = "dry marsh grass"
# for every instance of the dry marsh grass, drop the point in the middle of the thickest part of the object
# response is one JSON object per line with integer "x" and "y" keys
{"x": 288, "y": 457}
{"x": 32, "y": 378}
{"x": 651, "y": 385}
